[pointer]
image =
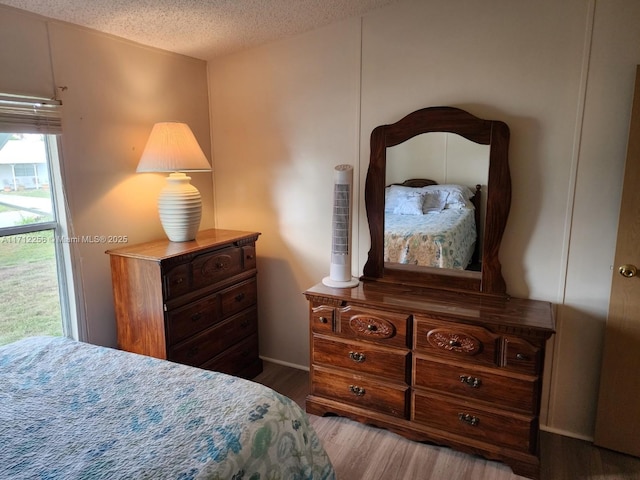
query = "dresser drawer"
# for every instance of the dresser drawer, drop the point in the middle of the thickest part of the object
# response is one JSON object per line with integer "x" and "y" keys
{"x": 213, "y": 267}
{"x": 516, "y": 392}
{"x": 238, "y": 359}
{"x": 361, "y": 358}
{"x": 386, "y": 328}
{"x": 322, "y": 318}
{"x": 177, "y": 281}
{"x": 249, "y": 257}
{"x": 361, "y": 391}
{"x": 462, "y": 342}
{"x": 202, "y": 347}
{"x": 192, "y": 318}
{"x": 239, "y": 297}
{"x": 521, "y": 356}
{"x": 488, "y": 425}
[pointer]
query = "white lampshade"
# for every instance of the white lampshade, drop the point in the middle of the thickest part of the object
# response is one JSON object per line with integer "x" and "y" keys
{"x": 172, "y": 147}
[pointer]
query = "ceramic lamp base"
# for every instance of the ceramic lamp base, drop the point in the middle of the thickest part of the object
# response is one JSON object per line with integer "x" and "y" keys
{"x": 180, "y": 208}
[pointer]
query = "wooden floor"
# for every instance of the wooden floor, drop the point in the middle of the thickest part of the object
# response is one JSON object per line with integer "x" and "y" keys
{"x": 361, "y": 452}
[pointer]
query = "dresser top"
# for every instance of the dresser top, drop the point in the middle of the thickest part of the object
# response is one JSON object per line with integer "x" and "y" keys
{"x": 164, "y": 248}
{"x": 509, "y": 312}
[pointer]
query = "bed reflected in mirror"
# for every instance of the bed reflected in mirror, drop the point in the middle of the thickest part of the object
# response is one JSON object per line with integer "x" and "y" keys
{"x": 434, "y": 207}
{"x": 456, "y": 151}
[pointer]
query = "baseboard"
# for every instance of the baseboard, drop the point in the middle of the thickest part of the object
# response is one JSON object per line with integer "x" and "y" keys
{"x": 566, "y": 433}
{"x": 286, "y": 364}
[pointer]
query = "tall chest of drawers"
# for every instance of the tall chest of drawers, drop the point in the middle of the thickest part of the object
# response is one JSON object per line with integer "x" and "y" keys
{"x": 450, "y": 368}
{"x": 190, "y": 302}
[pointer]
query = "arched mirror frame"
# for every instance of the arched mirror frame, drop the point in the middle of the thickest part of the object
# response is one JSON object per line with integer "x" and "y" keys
{"x": 452, "y": 120}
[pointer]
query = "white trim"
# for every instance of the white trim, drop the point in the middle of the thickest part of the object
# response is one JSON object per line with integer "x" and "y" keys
{"x": 286, "y": 364}
{"x": 565, "y": 433}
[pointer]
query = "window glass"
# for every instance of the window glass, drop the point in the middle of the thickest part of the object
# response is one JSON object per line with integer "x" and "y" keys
{"x": 29, "y": 253}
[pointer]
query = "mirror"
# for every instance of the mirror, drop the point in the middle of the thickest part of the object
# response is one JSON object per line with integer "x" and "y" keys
{"x": 448, "y": 232}
{"x": 455, "y": 150}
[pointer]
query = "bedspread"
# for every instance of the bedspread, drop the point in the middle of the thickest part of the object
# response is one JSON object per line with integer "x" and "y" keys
{"x": 77, "y": 411}
{"x": 444, "y": 239}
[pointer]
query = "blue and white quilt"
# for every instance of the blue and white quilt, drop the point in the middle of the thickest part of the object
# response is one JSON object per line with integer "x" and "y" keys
{"x": 444, "y": 239}
{"x": 70, "y": 410}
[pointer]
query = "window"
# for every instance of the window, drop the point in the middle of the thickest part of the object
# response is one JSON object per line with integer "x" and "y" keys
{"x": 34, "y": 260}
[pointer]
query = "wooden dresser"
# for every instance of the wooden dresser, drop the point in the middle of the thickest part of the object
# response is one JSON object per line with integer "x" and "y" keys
{"x": 456, "y": 369}
{"x": 190, "y": 302}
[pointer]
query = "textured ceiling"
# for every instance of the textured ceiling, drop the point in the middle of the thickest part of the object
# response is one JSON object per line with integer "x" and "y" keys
{"x": 199, "y": 28}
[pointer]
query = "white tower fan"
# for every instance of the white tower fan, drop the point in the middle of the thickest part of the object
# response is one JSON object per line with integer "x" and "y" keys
{"x": 340, "y": 267}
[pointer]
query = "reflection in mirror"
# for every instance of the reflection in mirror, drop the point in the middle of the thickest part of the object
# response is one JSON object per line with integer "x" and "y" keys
{"x": 446, "y": 232}
{"x": 457, "y": 145}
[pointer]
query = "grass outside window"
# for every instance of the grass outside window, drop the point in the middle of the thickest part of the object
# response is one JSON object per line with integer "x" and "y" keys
{"x": 28, "y": 287}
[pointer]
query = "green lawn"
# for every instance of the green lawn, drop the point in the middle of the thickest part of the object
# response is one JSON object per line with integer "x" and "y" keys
{"x": 41, "y": 192}
{"x": 28, "y": 287}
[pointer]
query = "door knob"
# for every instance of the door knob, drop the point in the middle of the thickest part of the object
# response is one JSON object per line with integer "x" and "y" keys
{"x": 628, "y": 271}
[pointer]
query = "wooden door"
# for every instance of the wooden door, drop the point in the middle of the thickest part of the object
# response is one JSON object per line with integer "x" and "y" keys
{"x": 618, "y": 415}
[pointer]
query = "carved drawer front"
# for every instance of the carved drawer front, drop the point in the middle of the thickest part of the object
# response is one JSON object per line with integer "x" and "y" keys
{"x": 463, "y": 342}
{"x": 202, "y": 347}
{"x": 374, "y": 325}
{"x": 194, "y": 317}
{"x": 361, "y": 391}
{"x": 485, "y": 424}
{"x": 361, "y": 357}
{"x": 249, "y": 257}
{"x": 516, "y": 392}
{"x": 236, "y": 359}
{"x": 239, "y": 297}
{"x": 210, "y": 268}
{"x": 322, "y": 318}
{"x": 521, "y": 356}
{"x": 177, "y": 281}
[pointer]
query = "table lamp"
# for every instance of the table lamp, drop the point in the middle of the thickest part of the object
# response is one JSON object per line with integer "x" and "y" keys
{"x": 172, "y": 147}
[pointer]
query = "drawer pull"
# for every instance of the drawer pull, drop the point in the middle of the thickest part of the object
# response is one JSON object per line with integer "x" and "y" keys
{"x": 250, "y": 257}
{"x": 372, "y": 327}
{"x": 469, "y": 419}
{"x": 244, "y": 324}
{"x": 239, "y": 297}
{"x": 521, "y": 356}
{"x": 357, "y": 391}
{"x": 196, "y": 316}
{"x": 179, "y": 280}
{"x": 357, "y": 357}
{"x": 453, "y": 341}
{"x": 323, "y": 320}
{"x": 473, "y": 382}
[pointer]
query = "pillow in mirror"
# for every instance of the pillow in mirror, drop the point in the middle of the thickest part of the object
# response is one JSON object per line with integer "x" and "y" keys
{"x": 411, "y": 204}
{"x": 457, "y": 196}
{"x": 401, "y": 200}
{"x": 435, "y": 201}
{"x": 395, "y": 195}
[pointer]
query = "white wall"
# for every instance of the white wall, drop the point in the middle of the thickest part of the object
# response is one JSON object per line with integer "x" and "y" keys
{"x": 599, "y": 164}
{"x": 283, "y": 115}
{"x": 114, "y": 91}
{"x": 443, "y": 157}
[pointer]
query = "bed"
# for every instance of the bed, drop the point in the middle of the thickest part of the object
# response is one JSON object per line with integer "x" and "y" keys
{"x": 78, "y": 411}
{"x": 431, "y": 225}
